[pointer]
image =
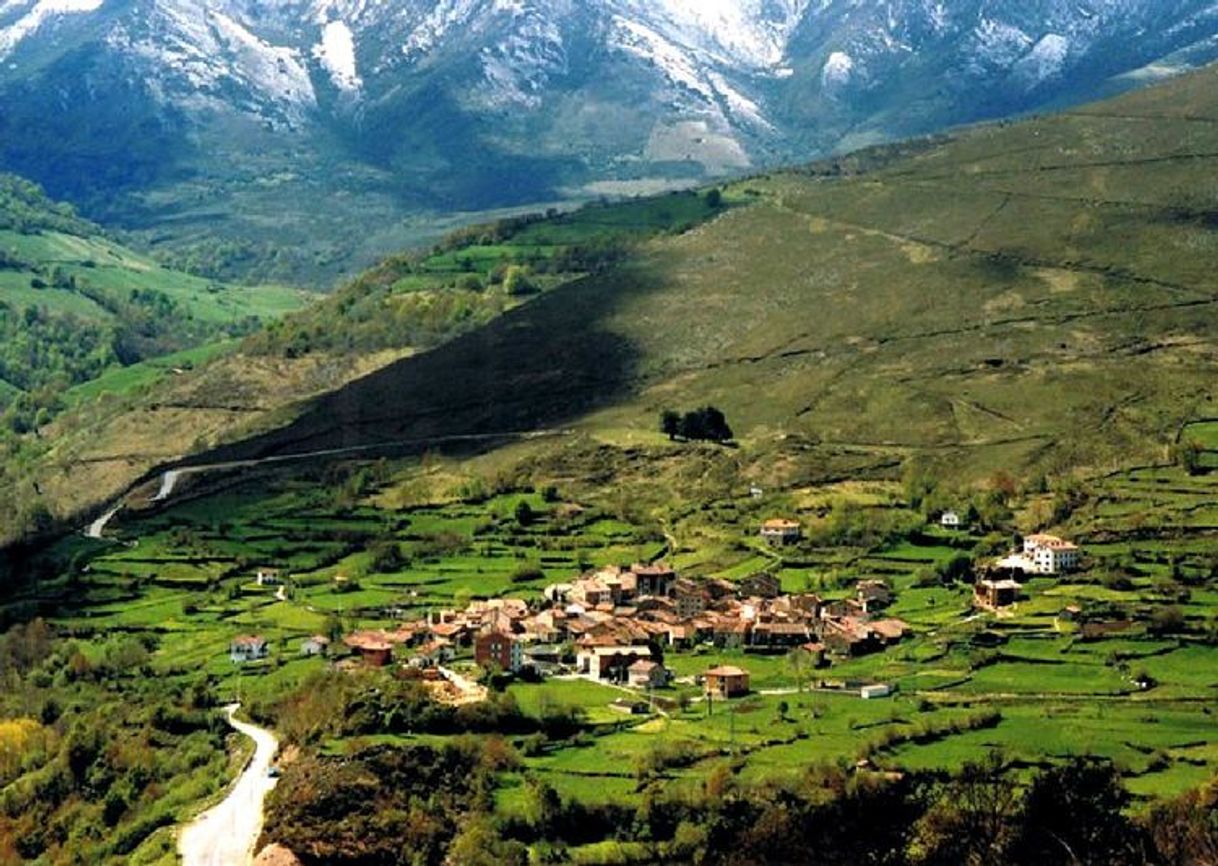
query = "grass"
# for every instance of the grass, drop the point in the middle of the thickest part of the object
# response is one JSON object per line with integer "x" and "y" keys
{"x": 1044, "y": 692}
{"x": 124, "y": 380}
{"x": 896, "y": 319}
{"x": 110, "y": 268}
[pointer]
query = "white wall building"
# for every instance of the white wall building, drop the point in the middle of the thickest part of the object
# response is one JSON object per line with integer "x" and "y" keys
{"x": 1049, "y": 554}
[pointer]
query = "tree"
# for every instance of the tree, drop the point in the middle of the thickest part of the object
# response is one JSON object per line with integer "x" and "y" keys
{"x": 386, "y": 557}
{"x": 670, "y": 424}
{"x": 1187, "y": 455}
{"x": 714, "y": 198}
{"x": 1167, "y": 620}
{"x": 516, "y": 281}
{"x": 479, "y": 844}
{"x": 1184, "y": 831}
{"x": 525, "y": 516}
{"x": 972, "y": 823}
{"x": 958, "y": 568}
{"x": 705, "y": 424}
{"x": 1074, "y": 815}
{"x": 798, "y": 661}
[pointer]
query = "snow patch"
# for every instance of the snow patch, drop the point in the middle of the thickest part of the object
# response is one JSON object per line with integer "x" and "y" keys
{"x": 274, "y": 70}
{"x": 837, "y": 71}
{"x": 12, "y": 35}
{"x": 519, "y": 68}
{"x": 753, "y": 34}
{"x": 445, "y": 16}
{"x": 646, "y": 44}
{"x": 999, "y": 44}
{"x": 739, "y": 106}
{"x": 336, "y": 54}
{"x": 1045, "y": 60}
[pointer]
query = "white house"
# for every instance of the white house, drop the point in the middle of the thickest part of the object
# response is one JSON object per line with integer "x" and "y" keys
{"x": 1050, "y": 554}
{"x": 248, "y": 648}
{"x": 269, "y": 577}
{"x": 609, "y": 662}
{"x": 646, "y": 674}
{"x": 317, "y": 645}
{"x": 950, "y": 520}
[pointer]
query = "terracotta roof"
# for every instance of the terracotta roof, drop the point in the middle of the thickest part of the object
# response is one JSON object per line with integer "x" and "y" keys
{"x": 1051, "y": 541}
{"x": 276, "y": 855}
{"x": 249, "y": 640}
{"x": 999, "y": 584}
{"x": 780, "y": 523}
{"x": 727, "y": 671}
{"x": 781, "y": 628}
{"x": 368, "y": 642}
{"x": 447, "y": 629}
{"x": 889, "y": 628}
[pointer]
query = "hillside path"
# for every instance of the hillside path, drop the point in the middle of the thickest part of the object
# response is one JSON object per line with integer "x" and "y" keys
{"x": 225, "y": 834}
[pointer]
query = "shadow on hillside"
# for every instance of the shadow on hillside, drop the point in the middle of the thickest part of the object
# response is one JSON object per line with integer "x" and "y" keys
{"x": 537, "y": 367}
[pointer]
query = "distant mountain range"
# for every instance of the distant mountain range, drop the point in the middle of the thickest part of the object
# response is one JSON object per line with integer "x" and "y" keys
{"x": 305, "y": 133}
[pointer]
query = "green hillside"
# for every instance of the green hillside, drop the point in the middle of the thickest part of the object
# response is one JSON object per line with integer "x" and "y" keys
{"x": 1034, "y": 297}
{"x": 75, "y": 305}
{"x": 1031, "y": 298}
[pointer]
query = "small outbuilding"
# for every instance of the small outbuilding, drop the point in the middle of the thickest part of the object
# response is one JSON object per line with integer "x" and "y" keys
{"x": 317, "y": 645}
{"x": 995, "y": 594}
{"x": 647, "y": 674}
{"x": 780, "y": 531}
{"x": 726, "y": 681}
{"x": 248, "y": 648}
{"x": 877, "y": 690}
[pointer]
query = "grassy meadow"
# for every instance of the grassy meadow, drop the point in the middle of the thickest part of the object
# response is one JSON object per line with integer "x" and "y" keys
{"x": 1030, "y": 682}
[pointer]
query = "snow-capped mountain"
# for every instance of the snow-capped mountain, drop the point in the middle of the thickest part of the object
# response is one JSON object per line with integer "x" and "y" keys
{"x": 466, "y": 104}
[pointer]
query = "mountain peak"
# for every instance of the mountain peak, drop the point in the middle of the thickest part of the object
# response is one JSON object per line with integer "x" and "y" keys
{"x": 467, "y": 104}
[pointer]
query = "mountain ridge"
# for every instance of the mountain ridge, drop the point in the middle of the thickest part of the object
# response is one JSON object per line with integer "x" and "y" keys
{"x": 222, "y": 115}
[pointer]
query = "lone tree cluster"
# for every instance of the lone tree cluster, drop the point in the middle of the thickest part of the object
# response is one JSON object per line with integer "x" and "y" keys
{"x": 707, "y": 424}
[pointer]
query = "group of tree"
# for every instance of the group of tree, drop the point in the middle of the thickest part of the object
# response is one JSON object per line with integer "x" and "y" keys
{"x": 707, "y": 424}
{"x": 94, "y": 750}
{"x": 25, "y": 208}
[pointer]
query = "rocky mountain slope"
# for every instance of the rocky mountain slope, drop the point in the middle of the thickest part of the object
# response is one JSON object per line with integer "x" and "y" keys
{"x": 196, "y": 119}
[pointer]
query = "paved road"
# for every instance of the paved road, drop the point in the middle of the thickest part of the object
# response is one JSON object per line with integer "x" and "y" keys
{"x": 171, "y": 477}
{"x": 97, "y": 527}
{"x": 225, "y": 835}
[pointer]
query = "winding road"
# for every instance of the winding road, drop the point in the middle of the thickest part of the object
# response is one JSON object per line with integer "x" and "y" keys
{"x": 171, "y": 477}
{"x": 98, "y": 526}
{"x": 225, "y": 834}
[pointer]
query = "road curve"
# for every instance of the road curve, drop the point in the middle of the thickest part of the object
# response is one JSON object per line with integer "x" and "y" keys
{"x": 98, "y": 526}
{"x": 225, "y": 834}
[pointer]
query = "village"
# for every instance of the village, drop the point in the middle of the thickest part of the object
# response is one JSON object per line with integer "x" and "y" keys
{"x": 615, "y": 624}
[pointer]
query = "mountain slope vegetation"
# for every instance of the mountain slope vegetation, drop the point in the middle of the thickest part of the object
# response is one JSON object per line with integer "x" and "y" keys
{"x": 1031, "y": 297}
{"x": 1036, "y": 295}
{"x": 74, "y": 304}
{"x": 125, "y": 423}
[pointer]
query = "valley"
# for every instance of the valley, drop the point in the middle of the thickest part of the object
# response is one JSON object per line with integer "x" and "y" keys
{"x": 863, "y": 508}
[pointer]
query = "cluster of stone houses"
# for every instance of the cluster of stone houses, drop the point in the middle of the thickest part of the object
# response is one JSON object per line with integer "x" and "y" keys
{"x": 617, "y": 622}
